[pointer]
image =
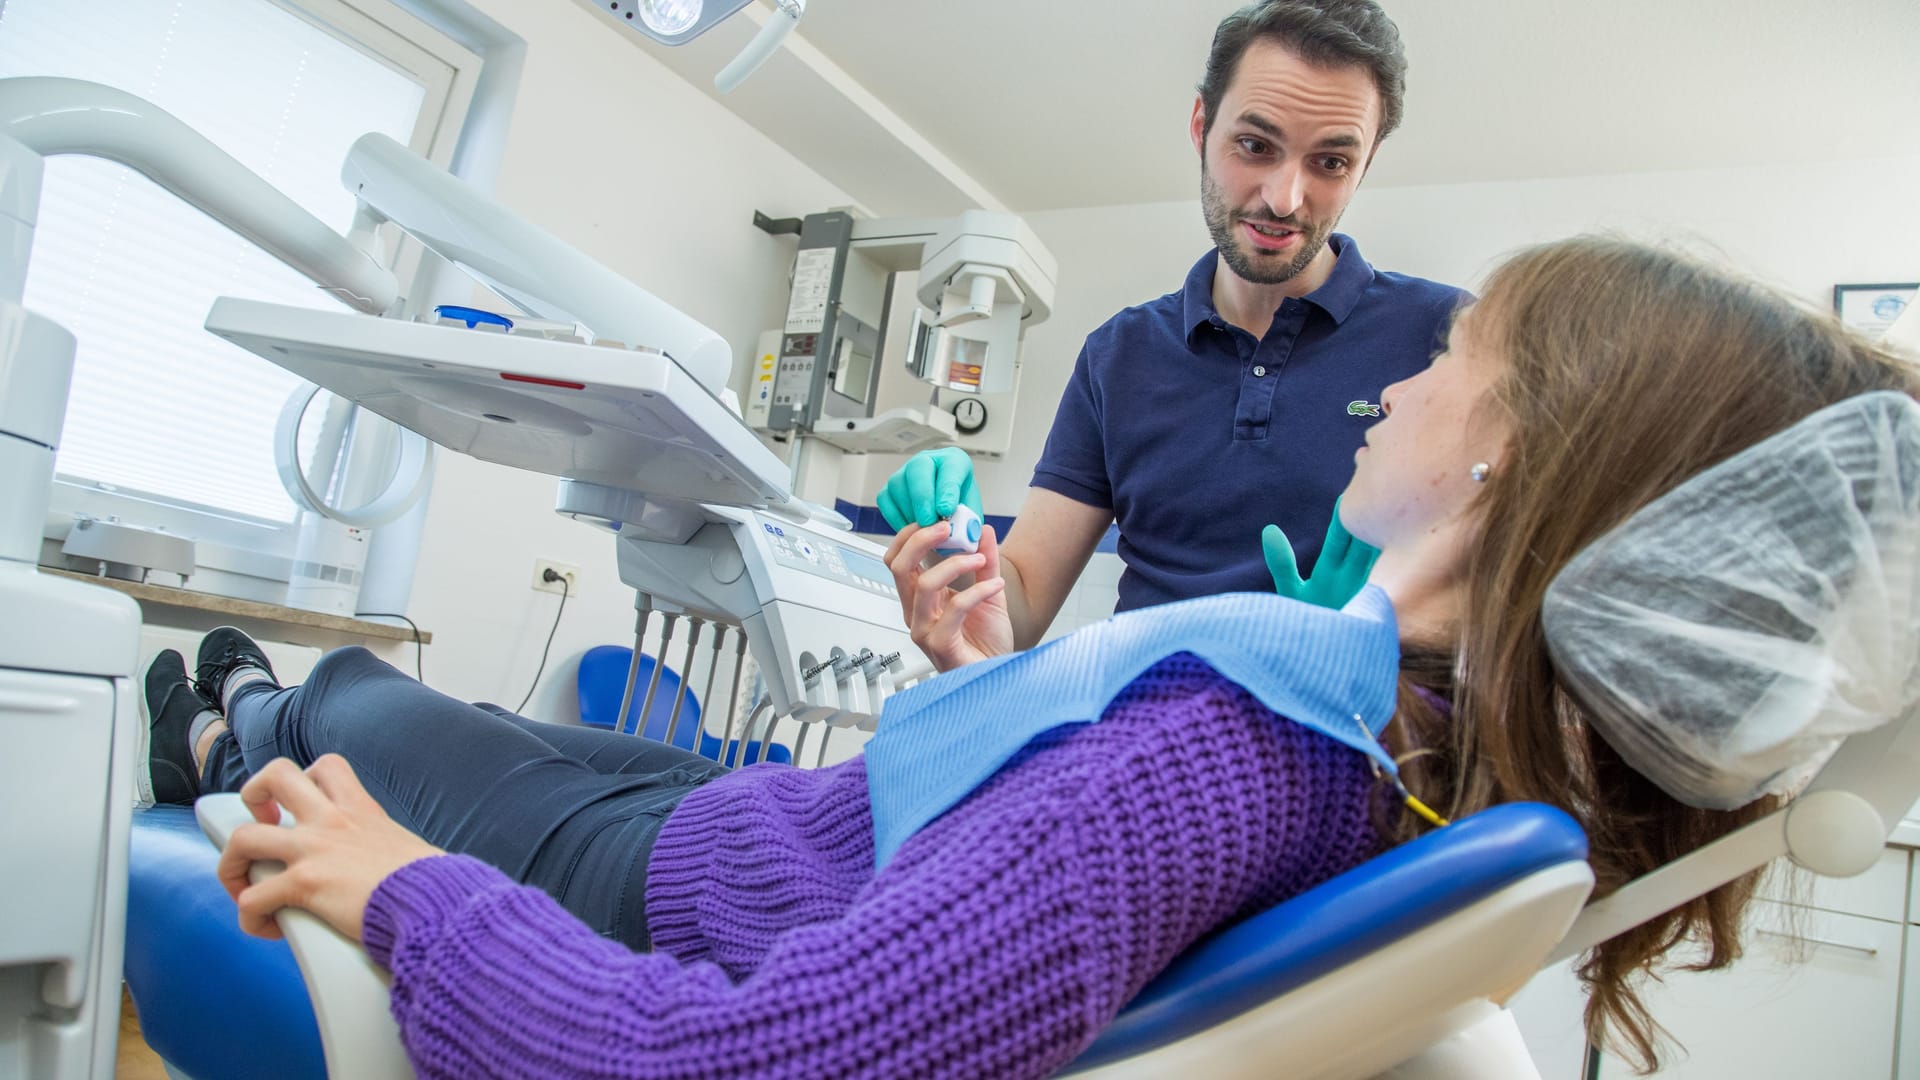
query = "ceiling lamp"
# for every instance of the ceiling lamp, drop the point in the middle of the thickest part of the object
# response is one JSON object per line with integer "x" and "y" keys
{"x": 676, "y": 22}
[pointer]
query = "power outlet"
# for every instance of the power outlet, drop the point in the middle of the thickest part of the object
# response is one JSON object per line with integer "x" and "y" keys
{"x": 571, "y": 575}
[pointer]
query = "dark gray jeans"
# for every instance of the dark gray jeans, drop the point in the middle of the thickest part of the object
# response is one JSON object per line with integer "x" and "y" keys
{"x": 573, "y": 811}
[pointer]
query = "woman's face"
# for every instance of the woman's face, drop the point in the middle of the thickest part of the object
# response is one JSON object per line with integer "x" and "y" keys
{"x": 1415, "y": 473}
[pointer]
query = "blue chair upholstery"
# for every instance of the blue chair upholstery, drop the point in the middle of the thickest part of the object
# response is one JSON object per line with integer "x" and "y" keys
{"x": 213, "y": 1002}
{"x": 1366, "y": 908}
{"x": 218, "y": 1004}
{"x": 602, "y": 681}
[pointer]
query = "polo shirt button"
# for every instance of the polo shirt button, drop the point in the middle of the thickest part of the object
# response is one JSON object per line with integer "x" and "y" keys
{"x": 1259, "y": 372}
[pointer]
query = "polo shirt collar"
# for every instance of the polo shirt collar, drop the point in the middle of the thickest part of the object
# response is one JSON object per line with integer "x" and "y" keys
{"x": 1337, "y": 296}
{"x": 1340, "y": 293}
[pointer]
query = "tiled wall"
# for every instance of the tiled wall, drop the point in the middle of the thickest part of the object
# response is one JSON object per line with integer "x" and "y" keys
{"x": 1093, "y": 596}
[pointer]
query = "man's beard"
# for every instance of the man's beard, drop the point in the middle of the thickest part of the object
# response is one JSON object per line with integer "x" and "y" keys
{"x": 1226, "y": 238}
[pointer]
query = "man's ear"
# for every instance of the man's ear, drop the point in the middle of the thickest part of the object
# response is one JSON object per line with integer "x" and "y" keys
{"x": 1197, "y": 127}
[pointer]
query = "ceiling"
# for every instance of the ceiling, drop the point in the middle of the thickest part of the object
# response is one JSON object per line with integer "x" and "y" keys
{"x": 930, "y": 106}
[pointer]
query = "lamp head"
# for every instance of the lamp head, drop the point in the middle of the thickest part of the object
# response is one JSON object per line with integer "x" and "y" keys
{"x": 670, "y": 22}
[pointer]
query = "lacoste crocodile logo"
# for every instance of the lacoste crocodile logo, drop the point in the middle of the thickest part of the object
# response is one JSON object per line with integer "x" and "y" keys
{"x": 1362, "y": 408}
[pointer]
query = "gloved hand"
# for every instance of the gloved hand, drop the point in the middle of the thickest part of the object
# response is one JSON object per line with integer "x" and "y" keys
{"x": 1338, "y": 574}
{"x": 928, "y": 487}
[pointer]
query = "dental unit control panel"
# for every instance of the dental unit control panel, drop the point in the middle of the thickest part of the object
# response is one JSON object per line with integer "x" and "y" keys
{"x": 828, "y": 559}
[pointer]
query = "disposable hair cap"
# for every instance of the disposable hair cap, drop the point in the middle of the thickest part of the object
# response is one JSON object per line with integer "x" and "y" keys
{"x": 1727, "y": 637}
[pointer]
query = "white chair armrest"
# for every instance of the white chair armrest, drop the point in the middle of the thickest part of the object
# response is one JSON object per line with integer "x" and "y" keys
{"x": 349, "y": 991}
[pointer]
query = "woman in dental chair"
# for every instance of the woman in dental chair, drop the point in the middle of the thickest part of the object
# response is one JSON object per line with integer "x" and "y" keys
{"x": 1012, "y": 917}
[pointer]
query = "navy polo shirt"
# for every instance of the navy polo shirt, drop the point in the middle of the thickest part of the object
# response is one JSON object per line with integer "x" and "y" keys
{"x": 1196, "y": 435}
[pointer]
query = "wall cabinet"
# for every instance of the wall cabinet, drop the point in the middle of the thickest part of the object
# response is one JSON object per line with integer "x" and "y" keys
{"x": 1818, "y": 993}
{"x": 1549, "y": 1012}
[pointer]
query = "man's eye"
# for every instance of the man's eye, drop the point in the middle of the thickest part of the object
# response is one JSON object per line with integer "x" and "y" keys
{"x": 1252, "y": 145}
{"x": 1334, "y": 165}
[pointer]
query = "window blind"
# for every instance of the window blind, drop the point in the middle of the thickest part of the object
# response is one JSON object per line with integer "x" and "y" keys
{"x": 159, "y": 406}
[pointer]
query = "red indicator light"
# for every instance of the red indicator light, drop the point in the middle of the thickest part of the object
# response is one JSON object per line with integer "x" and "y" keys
{"x": 538, "y": 381}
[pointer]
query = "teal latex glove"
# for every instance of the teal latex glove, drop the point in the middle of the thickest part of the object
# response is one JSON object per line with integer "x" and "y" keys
{"x": 1338, "y": 574}
{"x": 928, "y": 488}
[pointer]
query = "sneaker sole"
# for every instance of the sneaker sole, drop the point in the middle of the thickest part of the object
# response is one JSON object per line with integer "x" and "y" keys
{"x": 143, "y": 775}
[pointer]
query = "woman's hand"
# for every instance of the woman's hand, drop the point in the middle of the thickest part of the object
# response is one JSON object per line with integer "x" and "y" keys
{"x": 341, "y": 847}
{"x": 953, "y": 627}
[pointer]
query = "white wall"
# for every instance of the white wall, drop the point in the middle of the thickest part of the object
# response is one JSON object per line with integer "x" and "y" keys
{"x": 1801, "y": 228}
{"x": 620, "y": 157}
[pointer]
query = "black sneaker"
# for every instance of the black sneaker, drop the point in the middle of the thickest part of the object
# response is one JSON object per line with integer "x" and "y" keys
{"x": 223, "y": 651}
{"x": 172, "y": 703}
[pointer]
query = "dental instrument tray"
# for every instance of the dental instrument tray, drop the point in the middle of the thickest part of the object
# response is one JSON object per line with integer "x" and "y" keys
{"x": 604, "y": 414}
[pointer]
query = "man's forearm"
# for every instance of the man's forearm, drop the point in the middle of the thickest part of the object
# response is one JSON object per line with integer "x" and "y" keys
{"x": 1028, "y": 626}
{"x": 1044, "y": 557}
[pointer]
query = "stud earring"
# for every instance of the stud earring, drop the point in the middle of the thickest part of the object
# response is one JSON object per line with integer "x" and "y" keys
{"x": 1480, "y": 472}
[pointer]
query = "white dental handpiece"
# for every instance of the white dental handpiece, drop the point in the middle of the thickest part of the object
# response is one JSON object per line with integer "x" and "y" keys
{"x": 965, "y": 536}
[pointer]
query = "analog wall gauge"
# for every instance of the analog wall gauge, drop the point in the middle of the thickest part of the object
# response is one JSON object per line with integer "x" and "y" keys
{"x": 969, "y": 415}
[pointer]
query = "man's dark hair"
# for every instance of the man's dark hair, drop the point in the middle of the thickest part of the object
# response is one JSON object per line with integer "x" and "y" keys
{"x": 1326, "y": 33}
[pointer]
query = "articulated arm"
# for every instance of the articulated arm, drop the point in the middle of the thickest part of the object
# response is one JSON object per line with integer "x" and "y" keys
{"x": 70, "y": 116}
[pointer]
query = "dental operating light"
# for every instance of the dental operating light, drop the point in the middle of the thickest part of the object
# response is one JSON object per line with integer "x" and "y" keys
{"x": 670, "y": 18}
{"x": 669, "y": 22}
{"x": 676, "y": 22}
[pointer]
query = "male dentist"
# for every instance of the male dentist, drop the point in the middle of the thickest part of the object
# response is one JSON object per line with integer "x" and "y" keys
{"x": 1196, "y": 419}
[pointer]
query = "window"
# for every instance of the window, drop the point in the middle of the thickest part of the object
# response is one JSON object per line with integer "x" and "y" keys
{"x": 167, "y": 424}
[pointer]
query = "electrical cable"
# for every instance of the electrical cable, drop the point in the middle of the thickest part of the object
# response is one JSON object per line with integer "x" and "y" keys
{"x": 537, "y": 672}
{"x": 706, "y": 696}
{"x": 653, "y": 683}
{"x": 733, "y": 699}
{"x": 643, "y": 603}
{"x": 799, "y": 744}
{"x": 739, "y": 751}
{"x": 686, "y": 677}
{"x": 416, "y": 635}
{"x": 766, "y": 733}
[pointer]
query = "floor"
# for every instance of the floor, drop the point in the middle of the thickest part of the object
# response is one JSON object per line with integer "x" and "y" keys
{"x": 137, "y": 1062}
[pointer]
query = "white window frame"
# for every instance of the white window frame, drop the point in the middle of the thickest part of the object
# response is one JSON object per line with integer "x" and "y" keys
{"x": 237, "y": 554}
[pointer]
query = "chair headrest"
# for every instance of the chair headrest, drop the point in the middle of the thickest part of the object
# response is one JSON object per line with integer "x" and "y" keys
{"x": 1727, "y": 637}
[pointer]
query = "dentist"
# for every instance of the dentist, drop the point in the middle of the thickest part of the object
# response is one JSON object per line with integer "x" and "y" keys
{"x": 1237, "y": 401}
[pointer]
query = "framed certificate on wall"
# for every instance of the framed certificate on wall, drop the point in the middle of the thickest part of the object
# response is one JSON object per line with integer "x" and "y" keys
{"x": 1870, "y": 309}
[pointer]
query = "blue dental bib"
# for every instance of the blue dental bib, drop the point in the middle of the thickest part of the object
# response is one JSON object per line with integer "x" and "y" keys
{"x": 1332, "y": 671}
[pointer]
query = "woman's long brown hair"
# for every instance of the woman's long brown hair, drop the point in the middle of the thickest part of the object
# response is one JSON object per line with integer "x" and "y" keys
{"x": 1630, "y": 369}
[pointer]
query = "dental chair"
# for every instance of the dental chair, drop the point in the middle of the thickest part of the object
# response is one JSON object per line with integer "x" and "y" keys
{"x": 1774, "y": 650}
{"x": 601, "y": 686}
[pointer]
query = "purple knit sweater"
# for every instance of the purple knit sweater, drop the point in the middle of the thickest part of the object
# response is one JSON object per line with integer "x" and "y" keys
{"x": 1002, "y": 938}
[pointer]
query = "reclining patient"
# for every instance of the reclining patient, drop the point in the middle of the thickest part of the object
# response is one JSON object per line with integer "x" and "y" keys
{"x": 487, "y": 860}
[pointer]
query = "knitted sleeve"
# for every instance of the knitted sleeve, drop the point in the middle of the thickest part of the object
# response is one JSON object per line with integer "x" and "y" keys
{"x": 998, "y": 943}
